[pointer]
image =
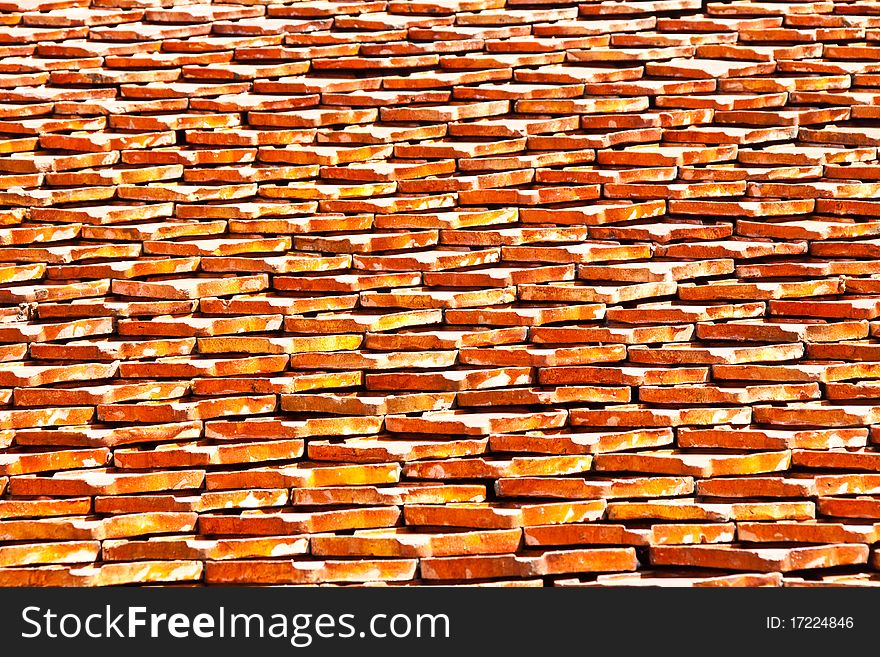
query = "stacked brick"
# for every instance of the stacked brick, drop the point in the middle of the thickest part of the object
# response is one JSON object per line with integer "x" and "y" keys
{"x": 433, "y": 292}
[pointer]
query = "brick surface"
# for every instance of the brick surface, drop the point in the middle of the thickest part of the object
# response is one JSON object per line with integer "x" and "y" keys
{"x": 457, "y": 293}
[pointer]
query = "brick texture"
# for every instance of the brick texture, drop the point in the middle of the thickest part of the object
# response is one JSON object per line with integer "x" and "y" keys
{"x": 439, "y": 292}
